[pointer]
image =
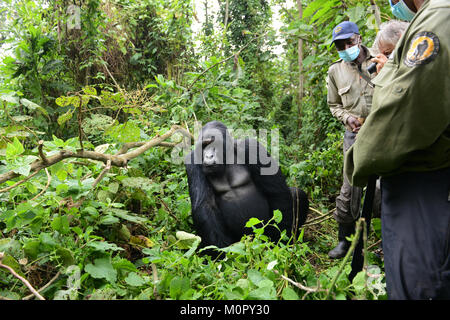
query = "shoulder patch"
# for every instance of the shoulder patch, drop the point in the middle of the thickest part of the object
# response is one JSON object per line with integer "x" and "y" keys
{"x": 424, "y": 48}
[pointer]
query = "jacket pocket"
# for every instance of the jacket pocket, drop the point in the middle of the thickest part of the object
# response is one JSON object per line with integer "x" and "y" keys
{"x": 345, "y": 95}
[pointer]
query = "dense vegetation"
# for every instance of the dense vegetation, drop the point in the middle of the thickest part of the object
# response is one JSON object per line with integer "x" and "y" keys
{"x": 93, "y": 100}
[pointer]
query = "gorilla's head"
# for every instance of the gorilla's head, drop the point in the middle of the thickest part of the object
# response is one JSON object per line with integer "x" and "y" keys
{"x": 216, "y": 147}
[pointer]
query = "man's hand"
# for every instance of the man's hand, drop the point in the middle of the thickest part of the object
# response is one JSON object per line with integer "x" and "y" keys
{"x": 380, "y": 59}
{"x": 354, "y": 123}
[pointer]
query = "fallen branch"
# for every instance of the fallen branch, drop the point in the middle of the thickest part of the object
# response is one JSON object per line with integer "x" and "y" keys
{"x": 317, "y": 221}
{"x": 322, "y": 216}
{"x": 25, "y": 281}
{"x": 120, "y": 160}
{"x": 299, "y": 285}
{"x": 18, "y": 183}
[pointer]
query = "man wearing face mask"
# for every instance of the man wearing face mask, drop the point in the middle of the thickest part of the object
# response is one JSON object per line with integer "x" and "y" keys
{"x": 406, "y": 141}
{"x": 349, "y": 98}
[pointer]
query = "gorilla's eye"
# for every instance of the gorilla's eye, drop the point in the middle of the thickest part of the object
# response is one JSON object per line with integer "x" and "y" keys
{"x": 207, "y": 141}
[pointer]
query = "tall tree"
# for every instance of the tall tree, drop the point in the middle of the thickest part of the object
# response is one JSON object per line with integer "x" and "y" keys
{"x": 300, "y": 68}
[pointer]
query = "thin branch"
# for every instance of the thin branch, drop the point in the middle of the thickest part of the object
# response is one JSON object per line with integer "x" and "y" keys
{"x": 44, "y": 287}
{"x": 155, "y": 281}
{"x": 312, "y": 223}
{"x": 49, "y": 179}
{"x": 320, "y": 213}
{"x": 299, "y": 285}
{"x": 18, "y": 183}
{"x": 41, "y": 152}
{"x": 96, "y": 182}
{"x": 224, "y": 60}
{"x": 374, "y": 244}
{"x": 323, "y": 217}
{"x": 347, "y": 256}
{"x": 25, "y": 281}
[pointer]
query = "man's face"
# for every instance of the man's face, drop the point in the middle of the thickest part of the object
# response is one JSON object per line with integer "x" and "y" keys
{"x": 386, "y": 48}
{"x": 344, "y": 44}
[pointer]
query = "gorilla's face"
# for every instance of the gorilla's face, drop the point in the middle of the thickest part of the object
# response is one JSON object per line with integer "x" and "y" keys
{"x": 213, "y": 155}
{"x": 214, "y": 142}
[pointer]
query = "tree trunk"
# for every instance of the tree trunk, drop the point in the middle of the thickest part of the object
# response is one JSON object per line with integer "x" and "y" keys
{"x": 376, "y": 13}
{"x": 300, "y": 69}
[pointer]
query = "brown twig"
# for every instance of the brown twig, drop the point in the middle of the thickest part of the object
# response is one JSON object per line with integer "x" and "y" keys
{"x": 299, "y": 285}
{"x": 44, "y": 287}
{"x": 18, "y": 183}
{"x": 80, "y": 120}
{"x": 224, "y": 60}
{"x": 24, "y": 281}
{"x": 155, "y": 281}
{"x": 96, "y": 182}
{"x": 41, "y": 152}
{"x": 49, "y": 179}
{"x": 323, "y": 217}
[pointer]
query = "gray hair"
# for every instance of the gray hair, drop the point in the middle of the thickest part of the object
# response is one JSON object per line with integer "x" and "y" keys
{"x": 390, "y": 32}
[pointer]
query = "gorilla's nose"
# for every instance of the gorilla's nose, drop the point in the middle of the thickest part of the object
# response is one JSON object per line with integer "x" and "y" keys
{"x": 209, "y": 158}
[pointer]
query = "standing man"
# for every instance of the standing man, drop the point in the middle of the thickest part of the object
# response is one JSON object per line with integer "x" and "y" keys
{"x": 349, "y": 98}
{"x": 406, "y": 141}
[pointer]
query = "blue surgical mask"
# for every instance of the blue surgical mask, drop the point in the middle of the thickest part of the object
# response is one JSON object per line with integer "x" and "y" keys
{"x": 401, "y": 10}
{"x": 349, "y": 54}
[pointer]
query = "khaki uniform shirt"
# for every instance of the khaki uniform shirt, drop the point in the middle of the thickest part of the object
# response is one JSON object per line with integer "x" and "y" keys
{"x": 348, "y": 93}
{"x": 408, "y": 128}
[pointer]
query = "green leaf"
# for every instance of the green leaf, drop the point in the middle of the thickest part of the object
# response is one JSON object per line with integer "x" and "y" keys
{"x": 252, "y": 221}
{"x": 135, "y": 280}
{"x": 178, "y": 285}
{"x": 14, "y": 149}
{"x": 65, "y": 117}
{"x": 33, "y": 106}
{"x": 102, "y": 269}
{"x": 186, "y": 240}
{"x": 289, "y": 294}
{"x": 66, "y": 256}
{"x": 61, "y": 224}
{"x": 90, "y": 91}
{"x": 278, "y": 216}
{"x": 11, "y": 262}
{"x": 255, "y": 276}
{"x": 263, "y": 293}
{"x": 359, "y": 281}
{"x": 104, "y": 246}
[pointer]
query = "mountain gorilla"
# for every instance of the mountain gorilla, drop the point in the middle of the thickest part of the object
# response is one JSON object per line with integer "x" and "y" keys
{"x": 231, "y": 181}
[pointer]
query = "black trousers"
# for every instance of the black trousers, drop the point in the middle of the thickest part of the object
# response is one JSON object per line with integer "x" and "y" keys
{"x": 415, "y": 215}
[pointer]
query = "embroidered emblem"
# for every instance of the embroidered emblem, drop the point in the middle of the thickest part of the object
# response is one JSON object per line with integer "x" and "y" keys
{"x": 424, "y": 48}
{"x": 337, "y": 30}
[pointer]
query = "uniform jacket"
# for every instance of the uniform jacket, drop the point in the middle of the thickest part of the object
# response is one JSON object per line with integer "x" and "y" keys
{"x": 408, "y": 128}
{"x": 349, "y": 94}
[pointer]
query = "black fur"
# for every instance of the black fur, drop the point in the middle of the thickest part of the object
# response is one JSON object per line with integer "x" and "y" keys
{"x": 224, "y": 196}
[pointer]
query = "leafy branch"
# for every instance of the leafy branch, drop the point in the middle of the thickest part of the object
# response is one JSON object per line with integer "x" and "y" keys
{"x": 119, "y": 160}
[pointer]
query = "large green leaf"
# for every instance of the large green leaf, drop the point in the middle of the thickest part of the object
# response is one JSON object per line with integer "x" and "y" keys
{"x": 102, "y": 269}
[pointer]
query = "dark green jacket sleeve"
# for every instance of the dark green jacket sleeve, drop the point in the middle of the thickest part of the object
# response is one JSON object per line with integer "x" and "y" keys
{"x": 408, "y": 128}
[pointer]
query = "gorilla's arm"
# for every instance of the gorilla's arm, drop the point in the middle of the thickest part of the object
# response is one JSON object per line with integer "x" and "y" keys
{"x": 205, "y": 213}
{"x": 273, "y": 186}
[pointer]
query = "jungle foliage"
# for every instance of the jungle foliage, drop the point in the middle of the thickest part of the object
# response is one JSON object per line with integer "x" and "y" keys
{"x": 96, "y": 97}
